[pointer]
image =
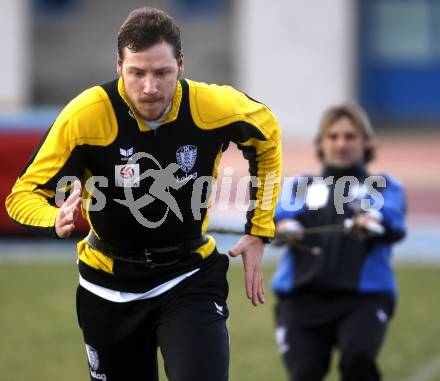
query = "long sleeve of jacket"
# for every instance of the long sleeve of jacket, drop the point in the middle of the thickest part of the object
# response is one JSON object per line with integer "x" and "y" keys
{"x": 57, "y": 162}
{"x": 393, "y": 210}
{"x": 255, "y": 130}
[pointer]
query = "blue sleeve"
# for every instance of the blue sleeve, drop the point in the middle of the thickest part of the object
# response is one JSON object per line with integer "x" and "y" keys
{"x": 393, "y": 210}
{"x": 291, "y": 200}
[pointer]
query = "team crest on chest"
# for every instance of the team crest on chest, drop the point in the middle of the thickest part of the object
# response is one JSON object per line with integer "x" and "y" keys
{"x": 186, "y": 157}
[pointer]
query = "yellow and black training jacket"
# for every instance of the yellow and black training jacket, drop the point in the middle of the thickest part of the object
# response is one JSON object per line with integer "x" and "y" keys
{"x": 93, "y": 139}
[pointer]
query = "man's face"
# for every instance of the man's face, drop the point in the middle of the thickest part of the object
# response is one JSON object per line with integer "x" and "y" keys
{"x": 343, "y": 145}
{"x": 150, "y": 78}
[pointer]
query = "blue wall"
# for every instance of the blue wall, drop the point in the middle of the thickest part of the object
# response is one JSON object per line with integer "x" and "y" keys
{"x": 399, "y": 57}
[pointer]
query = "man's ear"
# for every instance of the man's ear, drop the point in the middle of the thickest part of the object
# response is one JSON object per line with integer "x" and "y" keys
{"x": 180, "y": 65}
{"x": 119, "y": 65}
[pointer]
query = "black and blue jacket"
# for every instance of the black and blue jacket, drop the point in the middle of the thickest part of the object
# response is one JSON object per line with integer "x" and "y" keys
{"x": 347, "y": 263}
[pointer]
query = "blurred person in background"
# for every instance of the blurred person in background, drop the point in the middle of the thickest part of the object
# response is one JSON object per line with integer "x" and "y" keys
{"x": 337, "y": 288}
{"x": 149, "y": 275}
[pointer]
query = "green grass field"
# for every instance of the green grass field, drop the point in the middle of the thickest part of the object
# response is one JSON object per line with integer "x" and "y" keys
{"x": 40, "y": 340}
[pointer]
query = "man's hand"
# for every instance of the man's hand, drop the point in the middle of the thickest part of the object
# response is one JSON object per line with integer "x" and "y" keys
{"x": 366, "y": 226}
{"x": 251, "y": 250}
{"x": 288, "y": 231}
{"x": 66, "y": 217}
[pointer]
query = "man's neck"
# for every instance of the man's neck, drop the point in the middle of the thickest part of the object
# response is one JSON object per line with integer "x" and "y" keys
{"x": 358, "y": 170}
{"x": 154, "y": 124}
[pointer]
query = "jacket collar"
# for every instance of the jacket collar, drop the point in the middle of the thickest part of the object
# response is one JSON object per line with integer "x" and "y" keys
{"x": 170, "y": 117}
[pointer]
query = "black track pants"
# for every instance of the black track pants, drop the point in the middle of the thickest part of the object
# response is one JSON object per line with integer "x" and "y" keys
{"x": 187, "y": 323}
{"x": 309, "y": 327}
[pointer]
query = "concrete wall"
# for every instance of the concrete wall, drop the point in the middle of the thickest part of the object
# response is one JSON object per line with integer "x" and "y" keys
{"x": 14, "y": 53}
{"x": 296, "y": 56}
{"x": 75, "y": 51}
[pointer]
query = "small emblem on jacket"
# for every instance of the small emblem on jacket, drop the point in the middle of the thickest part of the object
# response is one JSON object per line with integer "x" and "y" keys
{"x": 186, "y": 157}
{"x": 126, "y": 153}
{"x": 127, "y": 175}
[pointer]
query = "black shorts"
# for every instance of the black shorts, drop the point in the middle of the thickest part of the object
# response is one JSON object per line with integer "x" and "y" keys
{"x": 187, "y": 323}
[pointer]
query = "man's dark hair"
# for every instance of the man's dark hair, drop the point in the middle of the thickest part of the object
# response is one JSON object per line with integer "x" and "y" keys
{"x": 145, "y": 27}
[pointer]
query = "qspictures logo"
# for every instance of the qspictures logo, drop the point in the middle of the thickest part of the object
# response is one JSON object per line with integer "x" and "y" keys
{"x": 312, "y": 194}
{"x": 163, "y": 180}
